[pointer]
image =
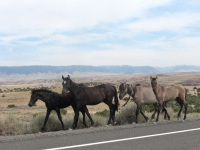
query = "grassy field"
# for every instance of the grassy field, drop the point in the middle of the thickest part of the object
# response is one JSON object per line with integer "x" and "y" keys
{"x": 14, "y": 98}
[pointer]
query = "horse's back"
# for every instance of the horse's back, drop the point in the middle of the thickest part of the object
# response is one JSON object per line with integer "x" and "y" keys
{"x": 145, "y": 95}
{"x": 90, "y": 95}
{"x": 174, "y": 91}
{"x": 64, "y": 100}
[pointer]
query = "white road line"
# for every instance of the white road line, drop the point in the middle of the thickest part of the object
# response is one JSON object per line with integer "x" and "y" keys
{"x": 120, "y": 140}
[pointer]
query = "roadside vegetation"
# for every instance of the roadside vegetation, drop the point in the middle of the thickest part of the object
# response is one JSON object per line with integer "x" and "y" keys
{"x": 126, "y": 115}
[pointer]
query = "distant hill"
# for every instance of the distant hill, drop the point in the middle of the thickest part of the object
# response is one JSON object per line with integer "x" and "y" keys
{"x": 125, "y": 69}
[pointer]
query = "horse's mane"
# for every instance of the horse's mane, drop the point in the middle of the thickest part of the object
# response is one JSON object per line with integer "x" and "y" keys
{"x": 41, "y": 90}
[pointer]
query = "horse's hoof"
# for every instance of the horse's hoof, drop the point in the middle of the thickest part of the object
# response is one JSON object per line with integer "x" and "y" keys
{"x": 147, "y": 119}
{"x": 155, "y": 123}
{"x": 70, "y": 129}
{"x": 134, "y": 123}
{"x": 183, "y": 120}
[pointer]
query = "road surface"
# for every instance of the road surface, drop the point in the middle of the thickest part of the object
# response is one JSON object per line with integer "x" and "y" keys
{"x": 175, "y": 135}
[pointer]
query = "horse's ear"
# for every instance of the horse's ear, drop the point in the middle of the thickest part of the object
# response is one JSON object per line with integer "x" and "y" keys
{"x": 33, "y": 91}
{"x": 63, "y": 77}
{"x": 119, "y": 81}
{"x": 124, "y": 81}
{"x": 68, "y": 76}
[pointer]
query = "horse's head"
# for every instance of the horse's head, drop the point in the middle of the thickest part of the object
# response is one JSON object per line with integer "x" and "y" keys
{"x": 66, "y": 84}
{"x": 122, "y": 90}
{"x": 34, "y": 98}
{"x": 153, "y": 82}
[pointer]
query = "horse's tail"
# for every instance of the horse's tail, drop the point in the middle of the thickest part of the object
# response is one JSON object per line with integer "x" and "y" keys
{"x": 116, "y": 99}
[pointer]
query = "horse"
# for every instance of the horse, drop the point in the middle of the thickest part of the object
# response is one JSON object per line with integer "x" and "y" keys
{"x": 91, "y": 96}
{"x": 56, "y": 101}
{"x": 164, "y": 94}
{"x": 142, "y": 96}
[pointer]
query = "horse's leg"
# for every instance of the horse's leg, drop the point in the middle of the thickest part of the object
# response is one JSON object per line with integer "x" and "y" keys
{"x": 181, "y": 104}
{"x": 113, "y": 114}
{"x": 89, "y": 116}
{"x": 159, "y": 108}
{"x": 166, "y": 113}
{"x": 185, "y": 105}
{"x": 155, "y": 107}
{"x": 75, "y": 118}
{"x": 111, "y": 107}
{"x": 45, "y": 120}
{"x": 163, "y": 110}
{"x": 145, "y": 117}
{"x": 83, "y": 113}
{"x": 60, "y": 118}
{"x": 136, "y": 114}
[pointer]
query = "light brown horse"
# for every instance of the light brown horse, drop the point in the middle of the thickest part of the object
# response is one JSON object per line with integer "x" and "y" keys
{"x": 170, "y": 93}
{"x": 142, "y": 96}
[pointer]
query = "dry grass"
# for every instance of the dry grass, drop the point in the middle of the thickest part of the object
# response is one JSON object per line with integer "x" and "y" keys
{"x": 24, "y": 114}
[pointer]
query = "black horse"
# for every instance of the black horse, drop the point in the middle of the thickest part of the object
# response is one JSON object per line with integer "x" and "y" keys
{"x": 91, "y": 96}
{"x": 55, "y": 101}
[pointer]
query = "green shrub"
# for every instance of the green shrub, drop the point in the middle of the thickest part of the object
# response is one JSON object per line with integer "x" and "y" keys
{"x": 148, "y": 108}
{"x": 197, "y": 109}
{"x": 104, "y": 113}
{"x": 11, "y": 126}
{"x": 53, "y": 123}
{"x": 126, "y": 98}
{"x": 190, "y": 109}
{"x": 127, "y": 115}
{"x": 174, "y": 105}
{"x": 62, "y": 111}
{"x": 11, "y": 106}
{"x": 3, "y": 95}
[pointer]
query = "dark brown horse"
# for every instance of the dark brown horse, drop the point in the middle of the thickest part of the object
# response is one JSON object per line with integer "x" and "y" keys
{"x": 91, "y": 96}
{"x": 142, "y": 96}
{"x": 164, "y": 94}
{"x": 55, "y": 101}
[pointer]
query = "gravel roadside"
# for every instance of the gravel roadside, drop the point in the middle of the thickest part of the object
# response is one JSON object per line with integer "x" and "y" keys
{"x": 87, "y": 130}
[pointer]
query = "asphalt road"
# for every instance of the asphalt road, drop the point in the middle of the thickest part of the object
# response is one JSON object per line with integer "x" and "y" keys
{"x": 176, "y": 135}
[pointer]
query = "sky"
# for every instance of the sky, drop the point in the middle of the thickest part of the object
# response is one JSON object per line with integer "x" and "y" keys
{"x": 155, "y": 33}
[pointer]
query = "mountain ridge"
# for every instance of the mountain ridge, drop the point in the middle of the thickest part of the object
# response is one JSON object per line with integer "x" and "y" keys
{"x": 114, "y": 69}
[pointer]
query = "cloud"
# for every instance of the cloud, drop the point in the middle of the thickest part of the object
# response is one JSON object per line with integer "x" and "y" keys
{"x": 50, "y": 16}
{"x": 114, "y": 32}
{"x": 171, "y": 22}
